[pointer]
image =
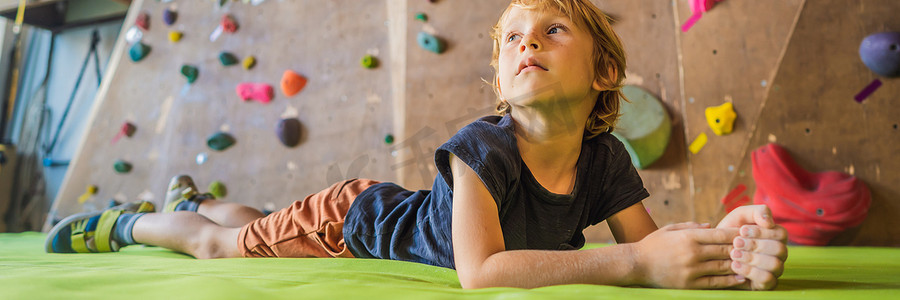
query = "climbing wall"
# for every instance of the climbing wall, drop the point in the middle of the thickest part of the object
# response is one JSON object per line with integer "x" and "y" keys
{"x": 345, "y": 109}
{"x": 811, "y": 111}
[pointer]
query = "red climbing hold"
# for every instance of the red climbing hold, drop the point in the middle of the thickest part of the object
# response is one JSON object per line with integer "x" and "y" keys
{"x": 228, "y": 24}
{"x": 143, "y": 21}
{"x": 813, "y": 207}
{"x": 292, "y": 83}
{"x": 256, "y": 91}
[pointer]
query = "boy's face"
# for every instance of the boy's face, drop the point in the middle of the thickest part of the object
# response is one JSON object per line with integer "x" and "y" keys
{"x": 540, "y": 49}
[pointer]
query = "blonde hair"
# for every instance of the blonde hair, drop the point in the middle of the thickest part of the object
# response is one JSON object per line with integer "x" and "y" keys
{"x": 608, "y": 57}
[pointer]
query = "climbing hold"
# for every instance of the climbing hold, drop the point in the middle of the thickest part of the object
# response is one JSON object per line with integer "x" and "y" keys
{"x": 190, "y": 72}
{"x": 431, "y": 43}
{"x": 175, "y": 36}
{"x": 127, "y": 129}
{"x": 881, "y": 53}
{"x": 138, "y": 51}
{"x": 133, "y": 35}
{"x": 812, "y": 207}
{"x": 369, "y": 62}
{"x": 91, "y": 190}
{"x": 122, "y": 166}
{"x": 261, "y": 92}
{"x": 220, "y": 141}
{"x": 229, "y": 25}
{"x": 227, "y": 59}
{"x": 143, "y": 21}
{"x": 702, "y": 6}
{"x": 249, "y": 62}
{"x": 288, "y": 131}
{"x": 698, "y": 143}
{"x": 292, "y": 83}
{"x": 644, "y": 128}
{"x": 389, "y": 139}
{"x": 201, "y": 158}
{"x": 422, "y": 17}
{"x": 868, "y": 90}
{"x": 169, "y": 16}
{"x": 721, "y": 118}
{"x": 217, "y": 188}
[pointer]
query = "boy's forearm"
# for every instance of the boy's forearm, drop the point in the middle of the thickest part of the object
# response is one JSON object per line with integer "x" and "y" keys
{"x": 612, "y": 265}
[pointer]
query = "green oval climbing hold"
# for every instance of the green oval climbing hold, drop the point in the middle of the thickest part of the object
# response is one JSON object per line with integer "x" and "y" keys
{"x": 220, "y": 141}
{"x": 422, "y": 17}
{"x": 389, "y": 139}
{"x": 217, "y": 188}
{"x": 227, "y": 59}
{"x": 431, "y": 43}
{"x": 190, "y": 72}
{"x": 122, "y": 166}
{"x": 369, "y": 62}
{"x": 138, "y": 51}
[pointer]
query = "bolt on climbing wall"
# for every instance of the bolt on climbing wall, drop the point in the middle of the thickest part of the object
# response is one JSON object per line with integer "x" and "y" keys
{"x": 269, "y": 100}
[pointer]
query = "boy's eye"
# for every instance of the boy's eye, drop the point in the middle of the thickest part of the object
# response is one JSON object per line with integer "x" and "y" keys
{"x": 511, "y": 37}
{"x": 553, "y": 30}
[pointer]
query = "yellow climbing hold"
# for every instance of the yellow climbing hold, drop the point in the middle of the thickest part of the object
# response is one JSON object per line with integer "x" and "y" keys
{"x": 91, "y": 190}
{"x": 249, "y": 62}
{"x": 721, "y": 118}
{"x": 175, "y": 36}
{"x": 698, "y": 143}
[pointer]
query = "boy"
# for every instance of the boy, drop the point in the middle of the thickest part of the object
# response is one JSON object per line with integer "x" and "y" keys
{"x": 511, "y": 189}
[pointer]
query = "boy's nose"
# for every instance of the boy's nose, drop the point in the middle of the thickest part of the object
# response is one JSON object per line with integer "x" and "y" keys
{"x": 530, "y": 42}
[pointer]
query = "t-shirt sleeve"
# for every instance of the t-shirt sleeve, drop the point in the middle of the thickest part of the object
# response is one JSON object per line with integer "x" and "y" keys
{"x": 622, "y": 186}
{"x": 489, "y": 150}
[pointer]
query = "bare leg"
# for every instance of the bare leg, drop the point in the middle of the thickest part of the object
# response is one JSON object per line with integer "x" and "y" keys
{"x": 228, "y": 214}
{"x": 189, "y": 233}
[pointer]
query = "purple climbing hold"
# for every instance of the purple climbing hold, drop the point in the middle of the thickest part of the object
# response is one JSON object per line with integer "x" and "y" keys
{"x": 881, "y": 53}
{"x": 288, "y": 131}
{"x": 169, "y": 16}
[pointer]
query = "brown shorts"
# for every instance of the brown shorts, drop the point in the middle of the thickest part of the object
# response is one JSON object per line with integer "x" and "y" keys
{"x": 309, "y": 228}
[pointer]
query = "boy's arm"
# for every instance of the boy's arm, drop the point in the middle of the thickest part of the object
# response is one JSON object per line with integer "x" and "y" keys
{"x": 680, "y": 256}
{"x": 631, "y": 224}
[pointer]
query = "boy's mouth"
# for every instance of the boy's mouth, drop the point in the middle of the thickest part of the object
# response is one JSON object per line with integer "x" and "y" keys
{"x": 530, "y": 62}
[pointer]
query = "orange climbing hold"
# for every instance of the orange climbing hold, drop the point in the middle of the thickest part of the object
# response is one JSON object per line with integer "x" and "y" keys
{"x": 292, "y": 83}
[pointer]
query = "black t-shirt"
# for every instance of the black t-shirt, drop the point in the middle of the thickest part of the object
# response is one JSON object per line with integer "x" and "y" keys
{"x": 387, "y": 221}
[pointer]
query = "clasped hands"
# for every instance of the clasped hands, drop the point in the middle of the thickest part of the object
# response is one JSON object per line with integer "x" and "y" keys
{"x": 746, "y": 250}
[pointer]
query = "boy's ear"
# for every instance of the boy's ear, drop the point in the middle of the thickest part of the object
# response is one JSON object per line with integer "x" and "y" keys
{"x": 612, "y": 73}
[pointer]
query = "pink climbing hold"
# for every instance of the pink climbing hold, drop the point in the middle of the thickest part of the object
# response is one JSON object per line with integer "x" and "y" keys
{"x": 143, "y": 21}
{"x": 702, "y": 6}
{"x": 813, "y": 207}
{"x": 228, "y": 24}
{"x": 256, "y": 91}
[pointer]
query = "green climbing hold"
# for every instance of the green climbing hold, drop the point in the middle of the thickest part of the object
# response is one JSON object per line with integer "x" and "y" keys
{"x": 431, "y": 43}
{"x": 190, "y": 72}
{"x": 422, "y": 17}
{"x": 389, "y": 139}
{"x": 138, "y": 51}
{"x": 227, "y": 59}
{"x": 369, "y": 62}
{"x": 220, "y": 141}
{"x": 217, "y": 188}
{"x": 122, "y": 166}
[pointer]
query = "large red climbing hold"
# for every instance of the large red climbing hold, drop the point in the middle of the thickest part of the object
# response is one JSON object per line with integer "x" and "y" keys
{"x": 292, "y": 83}
{"x": 255, "y": 91}
{"x": 813, "y": 207}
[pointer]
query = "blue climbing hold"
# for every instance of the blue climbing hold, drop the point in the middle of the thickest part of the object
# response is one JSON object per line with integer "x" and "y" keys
{"x": 138, "y": 51}
{"x": 881, "y": 53}
{"x": 431, "y": 43}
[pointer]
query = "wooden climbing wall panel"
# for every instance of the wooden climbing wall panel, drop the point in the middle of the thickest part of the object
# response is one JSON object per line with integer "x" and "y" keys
{"x": 345, "y": 109}
{"x": 811, "y": 110}
{"x": 730, "y": 55}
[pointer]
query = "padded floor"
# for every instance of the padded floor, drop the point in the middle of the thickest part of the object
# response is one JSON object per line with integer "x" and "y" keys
{"x": 138, "y": 272}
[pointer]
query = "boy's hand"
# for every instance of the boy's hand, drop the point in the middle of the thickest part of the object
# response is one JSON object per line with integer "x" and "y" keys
{"x": 759, "y": 252}
{"x": 687, "y": 255}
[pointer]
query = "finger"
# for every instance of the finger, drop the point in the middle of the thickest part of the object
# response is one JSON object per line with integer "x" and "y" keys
{"x": 753, "y": 231}
{"x": 714, "y": 267}
{"x": 759, "y": 278}
{"x": 718, "y": 282}
{"x": 766, "y": 247}
{"x": 748, "y": 214}
{"x": 681, "y": 226}
{"x": 716, "y": 251}
{"x": 767, "y": 263}
{"x": 714, "y": 236}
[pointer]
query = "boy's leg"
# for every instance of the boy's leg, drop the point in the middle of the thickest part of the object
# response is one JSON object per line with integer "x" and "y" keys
{"x": 187, "y": 232}
{"x": 183, "y": 195}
